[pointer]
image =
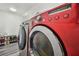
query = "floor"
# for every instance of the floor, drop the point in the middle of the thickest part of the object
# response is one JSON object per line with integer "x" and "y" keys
{"x": 9, "y": 50}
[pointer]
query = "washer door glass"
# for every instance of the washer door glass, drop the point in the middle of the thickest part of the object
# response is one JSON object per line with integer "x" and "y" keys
{"x": 22, "y": 38}
{"x": 41, "y": 45}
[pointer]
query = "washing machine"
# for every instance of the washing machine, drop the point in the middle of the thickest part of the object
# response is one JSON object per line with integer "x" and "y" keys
{"x": 55, "y": 32}
{"x": 23, "y": 38}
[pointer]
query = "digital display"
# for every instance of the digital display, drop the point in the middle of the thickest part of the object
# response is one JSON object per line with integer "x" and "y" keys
{"x": 64, "y": 8}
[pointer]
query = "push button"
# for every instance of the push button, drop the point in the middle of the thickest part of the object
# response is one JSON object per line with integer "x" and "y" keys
{"x": 66, "y": 16}
{"x": 50, "y": 18}
{"x": 57, "y": 17}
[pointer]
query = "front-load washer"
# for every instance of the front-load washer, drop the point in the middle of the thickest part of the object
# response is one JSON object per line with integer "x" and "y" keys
{"x": 55, "y": 32}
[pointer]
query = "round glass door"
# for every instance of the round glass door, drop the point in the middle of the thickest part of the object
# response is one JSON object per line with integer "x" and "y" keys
{"x": 44, "y": 42}
{"x": 22, "y": 38}
{"x": 41, "y": 45}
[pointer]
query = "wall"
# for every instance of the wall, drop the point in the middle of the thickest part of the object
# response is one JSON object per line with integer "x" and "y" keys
{"x": 9, "y": 23}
